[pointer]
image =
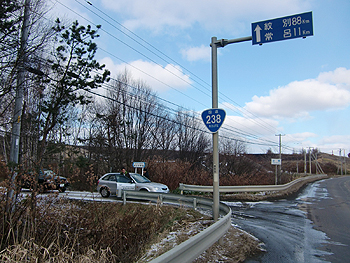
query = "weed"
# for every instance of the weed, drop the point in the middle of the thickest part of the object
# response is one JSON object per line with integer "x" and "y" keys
{"x": 76, "y": 231}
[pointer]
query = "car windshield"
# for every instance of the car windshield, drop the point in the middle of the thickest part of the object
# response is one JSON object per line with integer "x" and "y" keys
{"x": 46, "y": 174}
{"x": 140, "y": 178}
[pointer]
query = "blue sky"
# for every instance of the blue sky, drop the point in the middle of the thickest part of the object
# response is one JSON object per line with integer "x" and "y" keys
{"x": 299, "y": 88}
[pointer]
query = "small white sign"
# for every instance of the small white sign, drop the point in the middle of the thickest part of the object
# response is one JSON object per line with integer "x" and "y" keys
{"x": 139, "y": 164}
{"x": 276, "y": 161}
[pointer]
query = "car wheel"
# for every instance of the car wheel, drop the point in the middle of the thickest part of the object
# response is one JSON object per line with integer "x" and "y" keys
{"x": 61, "y": 189}
{"x": 105, "y": 192}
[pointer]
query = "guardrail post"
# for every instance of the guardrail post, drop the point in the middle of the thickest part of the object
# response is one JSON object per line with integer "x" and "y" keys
{"x": 161, "y": 199}
{"x": 181, "y": 188}
{"x": 195, "y": 203}
{"x": 124, "y": 198}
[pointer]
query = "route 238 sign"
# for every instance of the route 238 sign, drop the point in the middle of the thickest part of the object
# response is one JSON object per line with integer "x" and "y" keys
{"x": 213, "y": 119}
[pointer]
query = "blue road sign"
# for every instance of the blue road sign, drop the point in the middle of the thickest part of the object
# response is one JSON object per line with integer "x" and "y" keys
{"x": 283, "y": 28}
{"x": 213, "y": 119}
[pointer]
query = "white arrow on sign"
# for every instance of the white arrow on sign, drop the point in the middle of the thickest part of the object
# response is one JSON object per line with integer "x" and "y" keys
{"x": 257, "y": 31}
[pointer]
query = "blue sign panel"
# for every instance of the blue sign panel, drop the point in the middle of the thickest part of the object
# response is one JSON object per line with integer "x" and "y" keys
{"x": 283, "y": 28}
{"x": 213, "y": 119}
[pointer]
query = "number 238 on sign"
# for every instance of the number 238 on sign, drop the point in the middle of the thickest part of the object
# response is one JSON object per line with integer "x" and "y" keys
{"x": 213, "y": 119}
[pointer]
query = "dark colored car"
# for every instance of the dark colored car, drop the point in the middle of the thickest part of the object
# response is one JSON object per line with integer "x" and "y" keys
{"x": 51, "y": 181}
{"x": 47, "y": 180}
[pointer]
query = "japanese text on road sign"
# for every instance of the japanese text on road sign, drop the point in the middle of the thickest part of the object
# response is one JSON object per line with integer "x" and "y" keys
{"x": 139, "y": 164}
{"x": 295, "y": 26}
{"x": 213, "y": 119}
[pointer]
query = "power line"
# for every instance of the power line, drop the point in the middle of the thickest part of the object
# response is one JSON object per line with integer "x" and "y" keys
{"x": 260, "y": 122}
{"x": 254, "y": 139}
{"x": 147, "y": 57}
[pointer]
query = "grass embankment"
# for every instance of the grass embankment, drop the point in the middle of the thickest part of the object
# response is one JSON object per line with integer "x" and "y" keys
{"x": 73, "y": 231}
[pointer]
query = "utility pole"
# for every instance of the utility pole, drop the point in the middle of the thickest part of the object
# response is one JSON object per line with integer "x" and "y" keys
{"x": 304, "y": 161}
{"x": 297, "y": 167}
{"x": 345, "y": 163}
{"x": 310, "y": 160}
{"x": 280, "y": 155}
{"x": 17, "y": 115}
{"x": 341, "y": 163}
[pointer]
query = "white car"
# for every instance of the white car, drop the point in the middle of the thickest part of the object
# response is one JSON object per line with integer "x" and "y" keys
{"x": 110, "y": 183}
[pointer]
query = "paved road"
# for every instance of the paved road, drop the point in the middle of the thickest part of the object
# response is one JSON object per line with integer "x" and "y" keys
{"x": 287, "y": 228}
{"x": 332, "y": 216}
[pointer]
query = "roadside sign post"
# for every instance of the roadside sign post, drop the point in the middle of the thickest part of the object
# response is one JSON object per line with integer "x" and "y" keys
{"x": 277, "y": 163}
{"x": 141, "y": 165}
{"x": 215, "y": 102}
{"x": 284, "y": 28}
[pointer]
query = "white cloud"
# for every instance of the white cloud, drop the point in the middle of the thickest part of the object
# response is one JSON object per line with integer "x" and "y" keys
{"x": 256, "y": 126}
{"x": 334, "y": 139}
{"x": 329, "y": 91}
{"x": 255, "y": 132}
{"x": 334, "y": 143}
{"x": 157, "y": 15}
{"x": 155, "y": 76}
{"x": 301, "y": 136}
{"x": 197, "y": 53}
{"x": 340, "y": 77}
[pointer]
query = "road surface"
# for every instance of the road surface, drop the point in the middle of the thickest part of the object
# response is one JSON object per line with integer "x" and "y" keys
{"x": 314, "y": 227}
{"x": 331, "y": 215}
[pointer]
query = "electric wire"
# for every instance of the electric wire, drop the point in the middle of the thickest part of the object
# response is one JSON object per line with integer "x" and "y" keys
{"x": 169, "y": 85}
{"x": 241, "y": 108}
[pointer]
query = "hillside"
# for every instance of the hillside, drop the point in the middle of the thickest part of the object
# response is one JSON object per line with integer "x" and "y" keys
{"x": 294, "y": 163}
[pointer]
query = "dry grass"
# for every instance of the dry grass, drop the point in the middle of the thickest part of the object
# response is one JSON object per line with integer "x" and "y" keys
{"x": 56, "y": 230}
{"x": 236, "y": 246}
{"x": 74, "y": 231}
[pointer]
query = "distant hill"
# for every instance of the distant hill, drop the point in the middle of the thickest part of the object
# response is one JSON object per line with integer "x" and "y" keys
{"x": 295, "y": 163}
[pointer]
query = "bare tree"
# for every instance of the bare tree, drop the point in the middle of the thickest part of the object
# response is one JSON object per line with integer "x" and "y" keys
{"x": 233, "y": 159}
{"x": 191, "y": 141}
{"x": 130, "y": 119}
{"x": 164, "y": 133}
{"x": 15, "y": 57}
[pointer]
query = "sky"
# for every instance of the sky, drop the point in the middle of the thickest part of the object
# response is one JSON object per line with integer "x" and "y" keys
{"x": 296, "y": 88}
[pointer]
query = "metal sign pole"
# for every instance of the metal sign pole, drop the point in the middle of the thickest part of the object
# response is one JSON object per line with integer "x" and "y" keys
{"x": 299, "y": 25}
{"x": 214, "y": 62}
{"x": 216, "y": 196}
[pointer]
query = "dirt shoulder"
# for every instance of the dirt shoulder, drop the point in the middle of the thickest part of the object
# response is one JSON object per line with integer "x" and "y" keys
{"x": 239, "y": 245}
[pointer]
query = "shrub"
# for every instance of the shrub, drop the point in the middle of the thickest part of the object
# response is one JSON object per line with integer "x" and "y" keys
{"x": 69, "y": 231}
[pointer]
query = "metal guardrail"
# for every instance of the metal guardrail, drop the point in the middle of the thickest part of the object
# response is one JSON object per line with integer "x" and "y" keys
{"x": 196, "y": 245}
{"x": 247, "y": 188}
